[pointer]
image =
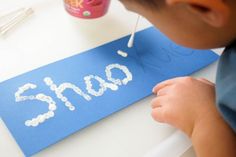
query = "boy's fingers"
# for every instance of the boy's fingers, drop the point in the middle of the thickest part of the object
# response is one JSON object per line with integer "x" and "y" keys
{"x": 157, "y": 114}
{"x": 167, "y": 83}
{"x": 163, "y": 91}
{"x": 156, "y": 103}
{"x": 162, "y": 85}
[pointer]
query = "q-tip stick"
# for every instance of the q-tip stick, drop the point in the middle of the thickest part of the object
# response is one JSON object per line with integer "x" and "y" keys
{"x": 131, "y": 39}
{"x": 16, "y": 20}
{"x": 11, "y": 13}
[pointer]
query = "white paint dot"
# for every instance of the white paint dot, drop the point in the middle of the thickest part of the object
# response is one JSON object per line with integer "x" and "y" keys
{"x": 72, "y": 108}
{"x": 52, "y": 107}
{"x": 28, "y": 123}
{"x": 122, "y": 53}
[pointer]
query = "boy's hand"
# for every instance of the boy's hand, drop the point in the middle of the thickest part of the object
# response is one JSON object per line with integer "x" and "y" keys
{"x": 184, "y": 102}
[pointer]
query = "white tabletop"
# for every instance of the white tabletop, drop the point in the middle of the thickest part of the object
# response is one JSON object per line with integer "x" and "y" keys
{"x": 50, "y": 35}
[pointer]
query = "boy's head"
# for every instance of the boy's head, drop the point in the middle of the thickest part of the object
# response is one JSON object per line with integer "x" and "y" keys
{"x": 192, "y": 23}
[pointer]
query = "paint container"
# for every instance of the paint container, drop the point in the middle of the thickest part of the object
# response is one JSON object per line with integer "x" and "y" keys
{"x": 87, "y": 9}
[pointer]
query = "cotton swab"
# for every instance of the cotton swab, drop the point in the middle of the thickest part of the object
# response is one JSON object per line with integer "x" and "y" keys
{"x": 22, "y": 14}
{"x": 131, "y": 39}
{"x": 7, "y": 14}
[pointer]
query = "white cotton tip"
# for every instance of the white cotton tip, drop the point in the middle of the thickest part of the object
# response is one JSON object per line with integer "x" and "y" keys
{"x": 122, "y": 53}
{"x": 131, "y": 41}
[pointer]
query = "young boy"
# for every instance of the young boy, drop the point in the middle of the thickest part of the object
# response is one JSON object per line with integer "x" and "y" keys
{"x": 207, "y": 114}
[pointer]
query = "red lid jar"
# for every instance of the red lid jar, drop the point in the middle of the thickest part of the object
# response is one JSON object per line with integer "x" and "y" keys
{"x": 87, "y": 9}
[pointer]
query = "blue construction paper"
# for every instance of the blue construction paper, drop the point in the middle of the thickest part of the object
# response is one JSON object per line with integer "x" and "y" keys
{"x": 153, "y": 58}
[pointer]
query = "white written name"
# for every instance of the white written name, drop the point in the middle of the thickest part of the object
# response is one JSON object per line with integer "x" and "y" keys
{"x": 113, "y": 85}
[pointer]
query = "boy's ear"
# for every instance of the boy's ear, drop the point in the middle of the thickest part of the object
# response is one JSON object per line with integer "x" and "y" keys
{"x": 214, "y": 13}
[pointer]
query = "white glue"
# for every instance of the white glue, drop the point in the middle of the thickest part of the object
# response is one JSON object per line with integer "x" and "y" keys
{"x": 122, "y": 53}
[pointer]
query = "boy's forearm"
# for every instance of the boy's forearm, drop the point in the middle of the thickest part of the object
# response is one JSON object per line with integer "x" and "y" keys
{"x": 212, "y": 137}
